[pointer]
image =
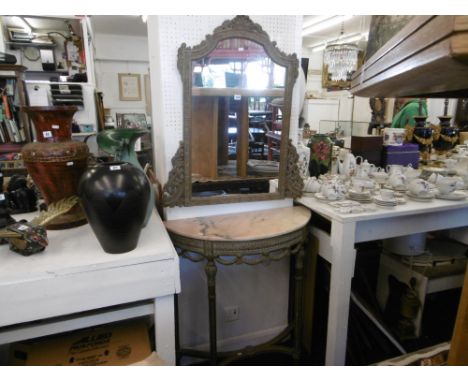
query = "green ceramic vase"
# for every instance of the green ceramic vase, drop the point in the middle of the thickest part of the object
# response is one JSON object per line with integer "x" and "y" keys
{"x": 320, "y": 154}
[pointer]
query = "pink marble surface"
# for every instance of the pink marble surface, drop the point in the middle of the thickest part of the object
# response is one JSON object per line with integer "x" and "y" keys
{"x": 243, "y": 226}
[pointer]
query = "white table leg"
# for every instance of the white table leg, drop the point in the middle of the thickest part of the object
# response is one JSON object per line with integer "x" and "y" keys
{"x": 164, "y": 329}
{"x": 342, "y": 271}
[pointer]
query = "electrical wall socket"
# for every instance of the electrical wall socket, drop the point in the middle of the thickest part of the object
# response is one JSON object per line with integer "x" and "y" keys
{"x": 231, "y": 313}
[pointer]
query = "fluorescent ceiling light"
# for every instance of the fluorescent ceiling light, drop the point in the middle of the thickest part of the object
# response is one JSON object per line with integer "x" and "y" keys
{"x": 315, "y": 20}
{"x": 23, "y": 23}
{"x": 327, "y": 23}
{"x": 318, "y": 48}
{"x": 347, "y": 38}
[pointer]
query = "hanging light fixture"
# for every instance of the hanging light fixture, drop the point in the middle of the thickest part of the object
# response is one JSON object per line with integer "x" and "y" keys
{"x": 341, "y": 59}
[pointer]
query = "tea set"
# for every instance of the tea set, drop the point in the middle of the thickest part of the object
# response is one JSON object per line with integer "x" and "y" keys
{"x": 361, "y": 182}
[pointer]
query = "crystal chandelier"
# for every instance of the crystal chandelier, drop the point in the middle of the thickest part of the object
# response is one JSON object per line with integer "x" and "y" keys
{"x": 341, "y": 59}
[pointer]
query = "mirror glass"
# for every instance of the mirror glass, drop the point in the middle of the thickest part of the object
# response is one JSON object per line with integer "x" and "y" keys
{"x": 236, "y": 122}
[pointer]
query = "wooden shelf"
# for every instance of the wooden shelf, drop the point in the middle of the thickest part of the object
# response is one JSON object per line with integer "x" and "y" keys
{"x": 83, "y": 134}
{"x": 229, "y": 92}
{"x": 33, "y": 44}
{"x": 427, "y": 58}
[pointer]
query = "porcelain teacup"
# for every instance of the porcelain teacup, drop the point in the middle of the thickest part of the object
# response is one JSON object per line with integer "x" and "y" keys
{"x": 397, "y": 180}
{"x": 446, "y": 185}
{"x": 419, "y": 187}
{"x": 365, "y": 183}
{"x": 380, "y": 176}
{"x": 412, "y": 173}
{"x": 394, "y": 169}
{"x": 434, "y": 177}
{"x": 387, "y": 195}
{"x": 357, "y": 188}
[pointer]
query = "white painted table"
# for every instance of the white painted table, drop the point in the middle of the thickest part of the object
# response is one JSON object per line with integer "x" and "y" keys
{"x": 75, "y": 284}
{"x": 346, "y": 230}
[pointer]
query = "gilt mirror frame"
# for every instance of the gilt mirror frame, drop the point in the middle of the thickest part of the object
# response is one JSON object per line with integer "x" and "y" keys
{"x": 178, "y": 190}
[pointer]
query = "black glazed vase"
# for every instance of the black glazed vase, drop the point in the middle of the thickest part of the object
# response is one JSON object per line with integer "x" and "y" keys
{"x": 115, "y": 197}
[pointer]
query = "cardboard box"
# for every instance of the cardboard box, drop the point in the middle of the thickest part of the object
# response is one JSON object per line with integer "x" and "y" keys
{"x": 119, "y": 344}
{"x": 152, "y": 360}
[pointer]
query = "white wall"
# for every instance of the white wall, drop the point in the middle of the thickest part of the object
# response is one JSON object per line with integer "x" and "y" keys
{"x": 2, "y": 38}
{"x": 120, "y": 54}
{"x": 356, "y": 109}
{"x": 261, "y": 292}
{"x": 435, "y": 108}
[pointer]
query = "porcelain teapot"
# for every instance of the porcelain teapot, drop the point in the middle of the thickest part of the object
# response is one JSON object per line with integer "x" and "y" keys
{"x": 364, "y": 169}
{"x": 312, "y": 184}
{"x": 347, "y": 166}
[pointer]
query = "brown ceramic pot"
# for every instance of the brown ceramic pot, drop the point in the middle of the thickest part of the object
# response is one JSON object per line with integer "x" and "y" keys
{"x": 56, "y": 162}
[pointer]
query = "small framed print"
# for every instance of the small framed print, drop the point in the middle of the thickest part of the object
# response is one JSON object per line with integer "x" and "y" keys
{"x": 129, "y": 87}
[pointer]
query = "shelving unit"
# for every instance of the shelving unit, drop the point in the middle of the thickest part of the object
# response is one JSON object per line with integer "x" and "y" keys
{"x": 15, "y": 129}
{"x": 32, "y": 44}
{"x": 16, "y": 73}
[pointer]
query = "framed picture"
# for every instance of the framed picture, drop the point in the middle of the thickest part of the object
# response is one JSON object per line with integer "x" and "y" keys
{"x": 131, "y": 121}
{"x": 129, "y": 87}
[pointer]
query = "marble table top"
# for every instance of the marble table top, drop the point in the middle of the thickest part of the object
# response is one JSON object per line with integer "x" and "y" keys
{"x": 245, "y": 226}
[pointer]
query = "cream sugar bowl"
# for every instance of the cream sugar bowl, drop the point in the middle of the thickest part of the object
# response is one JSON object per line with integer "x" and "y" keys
{"x": 380, "y": 176}
{"x": 446, "y": 185}
{"x": 397, "y": 180}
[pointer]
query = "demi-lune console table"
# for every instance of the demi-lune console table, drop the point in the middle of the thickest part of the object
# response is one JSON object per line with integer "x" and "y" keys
{"x": 245, "y": 238}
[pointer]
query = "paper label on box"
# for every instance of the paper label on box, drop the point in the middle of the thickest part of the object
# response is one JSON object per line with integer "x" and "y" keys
{"x": 47, "y": 134}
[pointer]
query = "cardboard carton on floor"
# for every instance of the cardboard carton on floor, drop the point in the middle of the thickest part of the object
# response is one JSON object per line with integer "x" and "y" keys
{"x": 119, "y": 344}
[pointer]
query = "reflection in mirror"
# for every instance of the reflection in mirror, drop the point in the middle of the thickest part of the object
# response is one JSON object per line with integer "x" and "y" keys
{"x": 240, "y": 91}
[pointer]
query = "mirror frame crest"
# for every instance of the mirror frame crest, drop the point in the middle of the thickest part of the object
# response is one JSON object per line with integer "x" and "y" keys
{"x": 178, "y": 189}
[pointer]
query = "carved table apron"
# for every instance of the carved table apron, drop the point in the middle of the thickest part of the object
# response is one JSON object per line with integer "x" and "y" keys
{"x": 245, "y": 238}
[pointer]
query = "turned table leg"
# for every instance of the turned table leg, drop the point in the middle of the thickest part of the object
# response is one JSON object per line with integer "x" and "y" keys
{"x": 210, "y": 270}
{"x": 298, "y": 278}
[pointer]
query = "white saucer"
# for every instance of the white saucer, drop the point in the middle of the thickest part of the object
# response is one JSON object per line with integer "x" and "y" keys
{"x": 385, "y": 203}
{"x": 456, "y": 195}
{"x": 420, "y": 198}
{"x": 400, "y": 188}
{"x": 324, "y": 199}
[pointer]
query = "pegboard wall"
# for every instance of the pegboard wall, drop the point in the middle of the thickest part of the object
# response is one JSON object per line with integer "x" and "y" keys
{"x": 165, "y": 35}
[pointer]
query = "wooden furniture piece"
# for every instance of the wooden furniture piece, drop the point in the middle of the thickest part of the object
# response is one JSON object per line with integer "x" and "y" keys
{"x": 427, "y": 58}
{"x": 245, "y": 238}
{"x": 74, "y": 284}
{"x": 458, "y": 354}
{"x": 337, "y": 247}
{"x": 235, "y": 65}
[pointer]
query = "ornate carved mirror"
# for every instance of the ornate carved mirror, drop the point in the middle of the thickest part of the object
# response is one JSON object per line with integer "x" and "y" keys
{"x": 237, "y": 91}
